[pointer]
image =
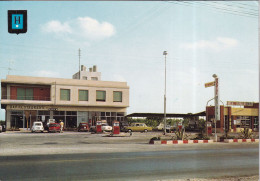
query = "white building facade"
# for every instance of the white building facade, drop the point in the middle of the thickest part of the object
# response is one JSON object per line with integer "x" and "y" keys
{"x": 28, "y": 99}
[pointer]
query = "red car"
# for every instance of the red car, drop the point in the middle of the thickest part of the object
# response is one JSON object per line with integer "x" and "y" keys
{"x": 54, "y": 127}
{"x": 83, "y": 127}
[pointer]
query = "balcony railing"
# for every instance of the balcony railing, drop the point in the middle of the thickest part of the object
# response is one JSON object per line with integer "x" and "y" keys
{"x": 27, "y": 98}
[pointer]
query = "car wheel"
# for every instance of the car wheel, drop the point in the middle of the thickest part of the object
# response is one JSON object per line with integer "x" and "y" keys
{"x": 129, "y": 130}
{"x": 145, "y": 130}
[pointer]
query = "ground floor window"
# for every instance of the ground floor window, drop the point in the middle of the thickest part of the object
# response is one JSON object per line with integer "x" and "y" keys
{"x": 17, "y": 119}
{"x": 256, "y": 122}
{"x": 83, "y": 117}
{"x": 243, "y": 122}
{"x": 71, "y": 119}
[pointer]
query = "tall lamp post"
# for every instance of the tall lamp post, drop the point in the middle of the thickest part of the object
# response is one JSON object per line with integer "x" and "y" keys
{"x": 165, "y": 53}
{"x": 216, "y": 104}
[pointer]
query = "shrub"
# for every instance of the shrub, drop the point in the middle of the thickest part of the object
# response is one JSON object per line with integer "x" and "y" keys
{"x": 201, "y": 137}
{"x": 245, "y": 134}
{"x": 156, "y": 138}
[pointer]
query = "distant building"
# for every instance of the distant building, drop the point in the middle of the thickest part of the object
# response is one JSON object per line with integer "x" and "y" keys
{"x": 235, "y": 117}
{"x": 28, "y": 99}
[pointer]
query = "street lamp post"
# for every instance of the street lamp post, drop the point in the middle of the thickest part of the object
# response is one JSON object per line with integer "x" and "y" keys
{"x": 165, "y": 53}
{"x": 216, "y": 103}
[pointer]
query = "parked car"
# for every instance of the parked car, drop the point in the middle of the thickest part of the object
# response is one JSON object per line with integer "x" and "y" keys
{"x": 141, "y": 127}
{"x": 83, "y": 127}
{"x": 37, "y": 127}
{"x": 123, "y": 125}
{"x": 54, "y": 127}
{"x": 46, "y": 126}
{"x": 160, "y": 127}
{"x": 106, "y": 127}
{"x": 1, "y": 129}
{"x": 92, "y": 129}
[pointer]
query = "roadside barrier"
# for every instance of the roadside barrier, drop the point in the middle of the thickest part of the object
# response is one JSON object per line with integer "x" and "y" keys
{"x": 169, "y": 142}
{"x": 240, "y": 140}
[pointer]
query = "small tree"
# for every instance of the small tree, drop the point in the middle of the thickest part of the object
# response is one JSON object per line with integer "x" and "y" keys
{"x": 201, "y": 127}
{"x": 245, "y": 133}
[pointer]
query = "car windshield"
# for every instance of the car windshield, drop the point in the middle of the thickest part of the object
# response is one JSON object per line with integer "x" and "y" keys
{"x": 104, "y": 124}
{"x": 38, "y": 124}
{"x": 84, "y": 124}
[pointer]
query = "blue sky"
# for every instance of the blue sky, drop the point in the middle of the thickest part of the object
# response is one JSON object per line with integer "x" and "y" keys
{"x": 126, "y": 41}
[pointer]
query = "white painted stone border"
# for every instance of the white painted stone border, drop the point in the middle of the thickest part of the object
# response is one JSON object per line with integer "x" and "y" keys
{"x": 172, "y": 142}
{"x": 241, "y": 140}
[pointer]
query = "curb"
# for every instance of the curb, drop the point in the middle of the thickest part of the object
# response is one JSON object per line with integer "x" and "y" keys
{"x": 171, "y": 142}
{"x": 240, "y": 140}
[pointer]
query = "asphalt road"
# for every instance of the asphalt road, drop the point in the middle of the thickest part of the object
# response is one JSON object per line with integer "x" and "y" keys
{"x": 155, "y": 165}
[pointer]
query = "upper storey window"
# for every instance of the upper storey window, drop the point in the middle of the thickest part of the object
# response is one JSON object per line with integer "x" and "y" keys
{"x": 65, "y": 94}
{"x": 24, "y": 93}
{"x": 101, "y": 96}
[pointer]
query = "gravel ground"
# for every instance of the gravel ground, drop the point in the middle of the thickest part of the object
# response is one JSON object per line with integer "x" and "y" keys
{"x": 248, "y": 178}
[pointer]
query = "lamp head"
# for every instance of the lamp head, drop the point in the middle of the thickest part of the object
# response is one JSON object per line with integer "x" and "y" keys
{"x": 165, "y": 53}
{"x": 214, "y": 76}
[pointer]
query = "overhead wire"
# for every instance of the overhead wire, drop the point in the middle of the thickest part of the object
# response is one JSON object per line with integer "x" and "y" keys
{"x": 219, "y": 9}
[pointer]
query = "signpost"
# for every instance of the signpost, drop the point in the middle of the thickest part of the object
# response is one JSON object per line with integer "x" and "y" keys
{"x": 216, "y": 98}
{"x": 209, "y": 84}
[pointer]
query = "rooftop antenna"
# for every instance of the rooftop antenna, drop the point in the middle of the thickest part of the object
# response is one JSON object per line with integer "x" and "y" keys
{"x": 79, "y": 63}
{"x": 9, "y": 67}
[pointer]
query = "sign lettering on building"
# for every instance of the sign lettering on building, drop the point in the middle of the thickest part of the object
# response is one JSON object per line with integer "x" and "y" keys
{"x": 237, "y": 103}
{"x": 25, "y": 107}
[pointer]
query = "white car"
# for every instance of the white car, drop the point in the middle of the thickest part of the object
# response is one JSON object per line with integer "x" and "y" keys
{"x": 161, "y": 127}
{"x": 37, "y": 127}
{"x": 106, "y": 127}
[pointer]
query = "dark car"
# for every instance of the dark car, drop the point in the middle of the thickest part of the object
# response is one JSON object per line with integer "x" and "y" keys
{"x": 83, "y": 127}
{"x": 54, "y": 127}
{"x": 123, "y": 125}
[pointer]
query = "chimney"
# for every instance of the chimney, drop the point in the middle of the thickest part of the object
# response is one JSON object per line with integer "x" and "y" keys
{"x": 94, "y": 68}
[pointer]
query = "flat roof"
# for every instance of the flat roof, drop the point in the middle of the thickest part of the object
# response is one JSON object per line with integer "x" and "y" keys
{"x": 14, "y": 79}
{"x": 168, "y": 115}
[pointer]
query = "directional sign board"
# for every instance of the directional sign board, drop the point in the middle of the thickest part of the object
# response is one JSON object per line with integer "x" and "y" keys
{"x": 17, "y": 21}
{"x": 210, "y": 84}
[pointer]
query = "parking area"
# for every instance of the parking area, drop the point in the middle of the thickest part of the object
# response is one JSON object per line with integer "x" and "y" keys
{"x": 27, "y": 143}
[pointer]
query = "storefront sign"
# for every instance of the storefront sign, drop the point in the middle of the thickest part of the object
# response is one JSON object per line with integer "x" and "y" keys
{"x": 209, "y": 84}
{"x": 25, "y": 107}
{"x": 236, "y": 103}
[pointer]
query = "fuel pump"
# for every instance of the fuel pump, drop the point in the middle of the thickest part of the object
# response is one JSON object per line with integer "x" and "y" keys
{"x": 180, "y": 126}
{"x": 209, "y": 126}
{"x": 116, "y": 127}
{"x": 98, "y": 127}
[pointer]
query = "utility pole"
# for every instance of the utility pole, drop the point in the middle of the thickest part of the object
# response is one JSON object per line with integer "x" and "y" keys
{"x": 79, "y": 63}
{"x": 165, "y": 53}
